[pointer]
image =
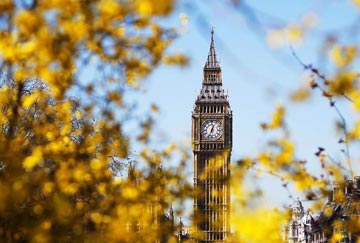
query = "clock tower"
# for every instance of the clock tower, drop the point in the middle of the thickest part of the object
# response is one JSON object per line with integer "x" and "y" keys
{"x": 212, "y": 144}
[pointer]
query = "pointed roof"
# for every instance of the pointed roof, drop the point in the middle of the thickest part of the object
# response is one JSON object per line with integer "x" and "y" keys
{"x": 297, "y": 207}
{"x": 211, "y": 61}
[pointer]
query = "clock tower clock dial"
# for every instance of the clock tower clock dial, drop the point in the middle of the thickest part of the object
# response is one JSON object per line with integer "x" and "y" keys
{"x": 212, "y": 144}
{"x": 211, "y": 130}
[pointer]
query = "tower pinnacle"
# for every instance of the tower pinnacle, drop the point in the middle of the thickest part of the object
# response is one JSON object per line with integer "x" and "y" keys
{"x": 212, "y": 62}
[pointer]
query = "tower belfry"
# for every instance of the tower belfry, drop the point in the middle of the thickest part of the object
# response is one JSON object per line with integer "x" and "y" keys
{"x": 212, "y": 144}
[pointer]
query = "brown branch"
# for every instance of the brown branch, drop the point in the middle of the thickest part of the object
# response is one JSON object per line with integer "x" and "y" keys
{"x": 330, "y": 97}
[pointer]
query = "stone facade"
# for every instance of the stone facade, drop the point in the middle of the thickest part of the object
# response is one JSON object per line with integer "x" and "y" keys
{"x": 338, "y": 222}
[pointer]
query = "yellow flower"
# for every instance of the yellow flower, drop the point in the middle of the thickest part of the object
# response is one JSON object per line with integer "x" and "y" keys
{"x": 144, "y": 7}
{"x": 277, "y": 120}
{"x": 343, "y": 83}
{"x": 286, "y": 155}
{"x": 77, "y": 30}
{"x": 38, "y": 209}
{"x": 46, "y": 224}
{"x": 343, "y": 55}
{"x": 265, "y": 158}
{"x": 29, "y": 100}
{"x": 355, "y": 96}
{"x": 34, "y": 159}
{"x": 300, "y": 94}
{"x": 6, "y": 6}
{"x": 294, "y": 33}
{"x": 357, "y": 3}
{"x": 129, "y": 192}
{"x": 259, "y": 225}
{"x": 96, "y": 217}
{"x": 96, "y": 164}
{"x": 110, "y": 9}
{"x": 354, "y": 133}
{"x": 28, "y": 22}
{"x": 48, "y": 188}
{"x": 184, "y": 19}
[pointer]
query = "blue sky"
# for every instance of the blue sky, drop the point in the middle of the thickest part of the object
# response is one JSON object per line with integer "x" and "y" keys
{"x": 256, "y": 76}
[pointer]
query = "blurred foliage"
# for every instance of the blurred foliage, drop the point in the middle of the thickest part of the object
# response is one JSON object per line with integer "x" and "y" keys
{"x": 57, "y": 179}
{"x": 337, "y": 80}
{"x": 66, "y": 173}
{"x": 61, "y": 169}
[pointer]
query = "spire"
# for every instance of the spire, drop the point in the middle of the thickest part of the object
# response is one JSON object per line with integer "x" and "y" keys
{"x": 212, "y": 62}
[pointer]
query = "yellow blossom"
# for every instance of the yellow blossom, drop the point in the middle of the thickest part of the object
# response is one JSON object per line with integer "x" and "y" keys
{"x": 357, "y": 3}
{"x": 354, "y": 133}
{"x": 300, "y": 94}
{"x": 48, "y": 187}
{"x": 96, "y": 217}
{"x": 267, "y": 223}
{"x": 294, "y": 33}
{"x": 46, "y": 224}
{"x": 29, "y": 100}
{"x": 130, "y": 192}
{"x": 38, "y": 209}
{"x": 96, "y": 164}
{"x": 277, "y": 119}
{"x": 28, "y": 22}
{"x": 343, "y": 55}
{"x": 343, "y": 83}
{"x": 34, "y": 159}
{"x": 144, "y": 7}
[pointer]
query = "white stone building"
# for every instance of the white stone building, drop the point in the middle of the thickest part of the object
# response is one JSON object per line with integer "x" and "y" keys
{"x": 338, "y": 222}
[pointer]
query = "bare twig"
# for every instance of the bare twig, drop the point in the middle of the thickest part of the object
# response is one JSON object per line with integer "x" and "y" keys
{"x": 332, "y": 102}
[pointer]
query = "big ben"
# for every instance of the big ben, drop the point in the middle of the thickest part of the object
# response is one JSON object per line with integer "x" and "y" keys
{"x": 212, "y": 144}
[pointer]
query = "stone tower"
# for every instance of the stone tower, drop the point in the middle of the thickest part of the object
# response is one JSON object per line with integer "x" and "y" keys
{"x": 211, "y": 144}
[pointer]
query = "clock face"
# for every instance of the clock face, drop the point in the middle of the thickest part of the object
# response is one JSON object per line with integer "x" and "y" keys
{"x": 211, "y": 130}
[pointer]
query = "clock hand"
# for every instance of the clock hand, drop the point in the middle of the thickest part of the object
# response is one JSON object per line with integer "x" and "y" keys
{"x": 212, "y": 128}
